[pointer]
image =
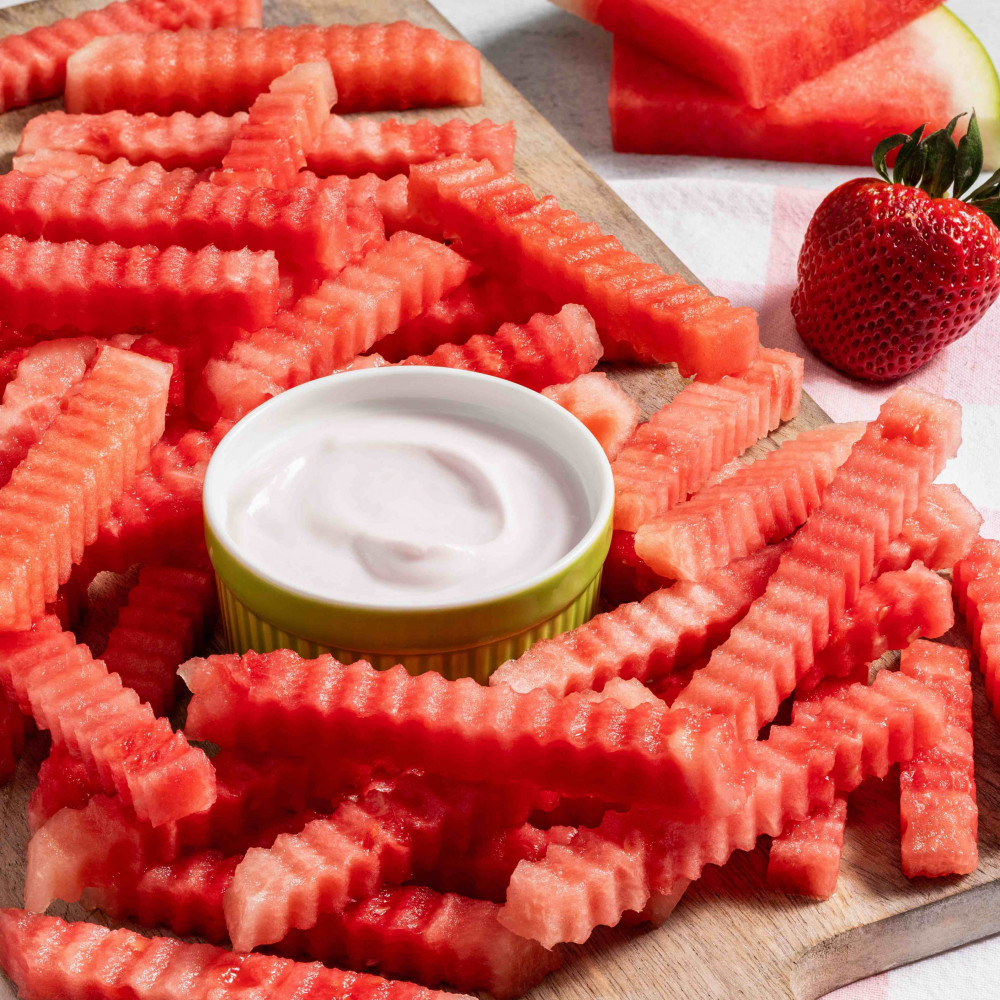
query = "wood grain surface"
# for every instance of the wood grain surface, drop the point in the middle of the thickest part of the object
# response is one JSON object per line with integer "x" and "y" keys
{"x": 729, "y": 937}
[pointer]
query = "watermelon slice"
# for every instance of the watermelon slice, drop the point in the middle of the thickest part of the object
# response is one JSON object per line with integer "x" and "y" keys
{"x": 806, "y": 860}
{"x": 104, "y": 725}
{"x": 445, "y": 727}
{"x": 757, "y": 53}
{"x": 921, "y": 74}
{"x": 545, "y": 351}
{"x": 269, "y": 150}
{"x": 69, "y": 166}
{"x": 86, "y": 459}
{"x": 660, "y": 317}
{"x": 109, "y": 288}
{"x": 701, "y": 429}
{"x": 663, "y": 633}
{"x": 47, "y": 957}
{"x": 939, "y": 533}
{"x": 626, "y": 577}
{"x": 303, "y": 227}
{"x": 613, "y": 868}
{"x": 607, "y": 410}
{"x": 345, "y": 316}
{"x": 939, "y": 818}
{"x": 178, "y": 140}
{"x": 357, "y": 849}
{"x": 829, "y": 560}
{"x": 761, "y": 503}
{"x": 376, "y": 67}
{"x": 158, "y": 629}
{"x": 477, "y": 306}
{"x": 34, "y": 64}
{"x": 33, "y": 398}
{"x": 977, "y": 591}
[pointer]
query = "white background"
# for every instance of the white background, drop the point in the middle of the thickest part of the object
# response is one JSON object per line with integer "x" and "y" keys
{"x": 562, "y": 66}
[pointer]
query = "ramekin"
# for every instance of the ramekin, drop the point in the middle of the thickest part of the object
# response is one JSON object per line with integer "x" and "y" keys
{"x": 458, "y": 640}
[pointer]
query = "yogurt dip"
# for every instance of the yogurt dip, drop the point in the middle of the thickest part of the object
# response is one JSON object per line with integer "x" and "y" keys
{"x": 397, "y": 503}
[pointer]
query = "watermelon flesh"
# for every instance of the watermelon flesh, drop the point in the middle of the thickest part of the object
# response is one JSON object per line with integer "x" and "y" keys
{"x": 302, "y": 227}
{"x": 702, "y": 428}
{"x": 607, "y": 410}
{"x": 760, "y": 52}
{"x": 107, "y": 288}
{"x": 614, "y": 867}
{"x": 545, "y": 351}
{"x": 666, "y": 631}
{"x": 761, "y": 503}
{"x": 104, "y": 725}
{"x": 977, "y": 592}
{"x": 33, "y": 398}
{"x": 69, "y": 166}
{"x": 363, "y": 845}
{"x": 661, "y": 317}
{"x": 830, "y": 559}
{"x": 939, "y": 533}
{"x": 344, "y": 317}
{"x": 178, "y": 140}
{"x": 921, "y": 74}
{"x": 34, "y": 63}
{"x": 86, "y": 459}
{"x": 806, "y": 859}
{"x": 269, "y": 149}
{"x": 47, "y": 957}
{"x": 158, "y": 629}
{"x": 626, "y": 577}
{"x": 376, "y": 67}
{"x": 11, "y": 738}
{"x": 446, "y": 728}
{"x": 477, "y": 306}
{"x": 939, "y": 818}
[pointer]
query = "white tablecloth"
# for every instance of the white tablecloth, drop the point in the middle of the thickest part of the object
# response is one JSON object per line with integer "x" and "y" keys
{"x": 701, "y": 207}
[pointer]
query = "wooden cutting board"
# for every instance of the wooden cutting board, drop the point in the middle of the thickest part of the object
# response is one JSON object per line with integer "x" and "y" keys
{"x": 729, "y": 937}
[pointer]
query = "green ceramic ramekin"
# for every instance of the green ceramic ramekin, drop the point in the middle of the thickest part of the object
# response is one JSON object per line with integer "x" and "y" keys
{"x": 457, "y": 640}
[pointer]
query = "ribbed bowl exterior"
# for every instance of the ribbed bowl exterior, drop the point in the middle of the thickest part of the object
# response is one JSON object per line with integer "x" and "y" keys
{"x": 246, "y": 630}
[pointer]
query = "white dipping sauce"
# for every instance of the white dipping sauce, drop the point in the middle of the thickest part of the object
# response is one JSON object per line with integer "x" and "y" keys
{"x": 394, "y": 505}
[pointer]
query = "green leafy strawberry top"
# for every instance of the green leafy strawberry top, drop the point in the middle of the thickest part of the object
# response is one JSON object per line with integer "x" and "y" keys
{"x": 938, "y": 163}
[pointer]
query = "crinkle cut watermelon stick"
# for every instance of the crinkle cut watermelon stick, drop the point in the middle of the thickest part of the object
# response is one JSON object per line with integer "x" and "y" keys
{"x": 109, "y": 289}
{"x": 86, "y": 459}
{"x": 938, "y": 533}
{"x": 664, "y": 632}
{"x": 760, "y": 503}
{"x": 686, "y": 761}
{"x": 349, "y": 146}
{"x": 376, "y": 67}
{"x": 270, "y": 148}
{"x": 33, "y": 398}
{"x": 47, "y": 957}
{"x": 977, "y": 591}
{"x": 939, "y": 818}
{"x": 604, "y": 871}
{"x": 545, "y": 351}
{"x": 805, "y": 859}
{"x": 398, "y": 826}
{"x": 178, "y": 140}
{"x": 702, "y": 428}
{"x": 69, "y": 166}
{"x": 302, "y": 227}
{"x": 607, "y": 410}
{"x": 33, "y": 64}
{"x": 626, "y": 577}
{"x": 411, "y": 932}
{"x": 158, "y": 629}
{"x": 344, "y": 317}
{"x": 477, "y": 306}
{"x": 104, "y": 725}
{"x": 661, "y": 317}
{"x": 833, "y": 555}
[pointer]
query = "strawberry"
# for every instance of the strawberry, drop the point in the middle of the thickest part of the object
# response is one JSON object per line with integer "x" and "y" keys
{"x": 892, "y": 270}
